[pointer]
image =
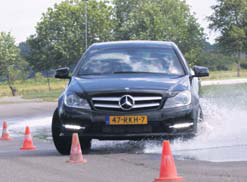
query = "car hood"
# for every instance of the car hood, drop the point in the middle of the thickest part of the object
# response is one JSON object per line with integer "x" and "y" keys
{"x": 107, "y": 83}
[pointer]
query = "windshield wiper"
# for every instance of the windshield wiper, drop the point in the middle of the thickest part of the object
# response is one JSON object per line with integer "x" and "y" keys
{"x": 86, "y": 74}
{"x": 134, "y": 72}
{"x": 121, "y": 72}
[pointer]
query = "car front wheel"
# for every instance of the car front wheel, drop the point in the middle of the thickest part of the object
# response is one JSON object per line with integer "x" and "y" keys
{"x": 199, "y": 118}
{"x": 61, "y": 143}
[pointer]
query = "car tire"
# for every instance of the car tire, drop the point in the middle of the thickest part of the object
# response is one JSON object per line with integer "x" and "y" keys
{"x": 199, "y": 118}
{"x": 62, "y": 143}
{"x": 85, "y": 145}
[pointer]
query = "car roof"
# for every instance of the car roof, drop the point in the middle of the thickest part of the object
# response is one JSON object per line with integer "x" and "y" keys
{"x": 132, "y": 43}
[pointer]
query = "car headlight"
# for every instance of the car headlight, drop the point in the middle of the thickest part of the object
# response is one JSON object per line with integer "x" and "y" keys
{"x": 181, "y": 99}
{"x": 72, "y": 100}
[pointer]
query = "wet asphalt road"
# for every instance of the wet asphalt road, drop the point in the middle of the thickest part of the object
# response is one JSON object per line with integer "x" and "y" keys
{"x": 45, "y": 164}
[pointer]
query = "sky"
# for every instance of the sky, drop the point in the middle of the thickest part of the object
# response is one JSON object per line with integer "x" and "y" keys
{"x": 21, "y": 16}
{"x": 202, "y": 9}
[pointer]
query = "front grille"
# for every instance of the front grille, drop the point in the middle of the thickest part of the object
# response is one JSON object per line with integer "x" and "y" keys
{"x": 140, "y": 102}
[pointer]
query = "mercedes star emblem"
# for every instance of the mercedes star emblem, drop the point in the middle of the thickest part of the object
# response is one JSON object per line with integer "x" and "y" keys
{"x": 126, "y": 102}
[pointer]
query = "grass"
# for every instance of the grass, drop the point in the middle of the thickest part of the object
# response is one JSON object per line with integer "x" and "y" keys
{"x": 49, "y": 96}
{"x": 38, "y": 89}
{"x": 33, "y": 89}
{"x": 225, "y": 75}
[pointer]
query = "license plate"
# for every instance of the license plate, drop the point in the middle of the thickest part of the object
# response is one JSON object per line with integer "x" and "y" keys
{"x": 126, "y": 120}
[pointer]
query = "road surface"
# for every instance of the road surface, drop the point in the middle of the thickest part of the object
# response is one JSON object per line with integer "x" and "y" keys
{"x": 126, "y": 163}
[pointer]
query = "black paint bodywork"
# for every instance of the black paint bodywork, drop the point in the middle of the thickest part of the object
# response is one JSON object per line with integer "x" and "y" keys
{"x": 159, "y": 119}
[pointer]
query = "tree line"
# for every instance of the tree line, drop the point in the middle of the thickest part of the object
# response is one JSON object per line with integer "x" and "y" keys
{"x": 60, "y": 34}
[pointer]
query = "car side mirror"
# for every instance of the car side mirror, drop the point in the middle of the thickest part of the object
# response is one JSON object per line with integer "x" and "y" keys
{"x": 200, "y": 71}
{"x": 62, "y": 73}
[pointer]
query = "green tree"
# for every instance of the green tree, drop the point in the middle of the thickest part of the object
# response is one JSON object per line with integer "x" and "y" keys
{"x": 122, "y": 11}
{"x": 230, "y": 19}
{"x": 24, "y": 67}
{"x": 60, "y": 35}
{"x": 10, "y": 60}
{"x": 169, "y": 20}
{"x": 213, "y": 58}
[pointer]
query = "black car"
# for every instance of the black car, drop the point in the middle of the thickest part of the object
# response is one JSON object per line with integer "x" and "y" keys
{"x": 127, "y": 90}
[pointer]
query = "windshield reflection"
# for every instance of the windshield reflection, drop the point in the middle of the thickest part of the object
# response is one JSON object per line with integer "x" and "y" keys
{"x": 134, "y": 60}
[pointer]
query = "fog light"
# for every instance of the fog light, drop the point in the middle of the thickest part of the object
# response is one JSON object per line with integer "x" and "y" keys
{"x": 182, "y": 125}
{"x": 74, "y": 127}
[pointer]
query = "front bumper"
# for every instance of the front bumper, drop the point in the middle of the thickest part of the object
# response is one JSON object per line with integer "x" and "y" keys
{"x": 92, "y": 124}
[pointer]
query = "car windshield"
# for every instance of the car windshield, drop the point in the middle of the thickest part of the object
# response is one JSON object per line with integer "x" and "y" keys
{"x": 132, "y": 60}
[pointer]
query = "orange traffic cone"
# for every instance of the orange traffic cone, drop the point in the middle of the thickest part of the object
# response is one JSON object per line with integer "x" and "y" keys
{"x": 75, "y": 151}
{"x": 28, "y": 143}
{"x": 5, "y": 134}
{"x": 168, "y": 170}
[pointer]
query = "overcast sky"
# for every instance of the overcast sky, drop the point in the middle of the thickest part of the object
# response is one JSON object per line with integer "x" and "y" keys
{"x": 21, "y": 16}
{"x": 202, "y": 9}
